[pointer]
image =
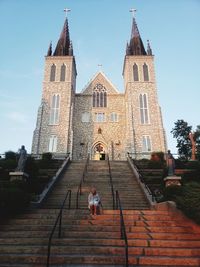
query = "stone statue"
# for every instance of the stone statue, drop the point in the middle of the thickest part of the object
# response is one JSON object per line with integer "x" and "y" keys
{"x": 22, "y": 159}
{"x": 191, "y": 137}
{"x": 170, "y": 163}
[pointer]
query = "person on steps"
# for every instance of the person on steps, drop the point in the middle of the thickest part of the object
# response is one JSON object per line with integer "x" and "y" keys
{"x": 94, "y": 201}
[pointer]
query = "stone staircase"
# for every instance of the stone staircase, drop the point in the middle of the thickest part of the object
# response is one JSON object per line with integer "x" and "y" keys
{"x": 69, "y": 180}
{"x": 155, "y": 237}
{"x": 124, "y": 181}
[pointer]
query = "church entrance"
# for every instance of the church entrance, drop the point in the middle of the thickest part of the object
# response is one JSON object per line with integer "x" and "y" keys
{"x": 99, "y": 151}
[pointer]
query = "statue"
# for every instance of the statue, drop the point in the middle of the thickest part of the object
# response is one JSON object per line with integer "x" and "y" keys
{"x": 22, "y": 159}
{"x": 170, "y": 163}
{"x": 191, "y": 137}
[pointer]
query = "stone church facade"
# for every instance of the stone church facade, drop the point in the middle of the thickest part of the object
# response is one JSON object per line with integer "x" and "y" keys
{"x": 100, "y": 120}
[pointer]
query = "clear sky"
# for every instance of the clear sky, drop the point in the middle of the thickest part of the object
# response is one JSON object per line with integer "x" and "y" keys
{"x": 99, "y": 30}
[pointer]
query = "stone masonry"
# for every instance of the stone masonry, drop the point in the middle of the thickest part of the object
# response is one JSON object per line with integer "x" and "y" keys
{"x": 113, "y": 125}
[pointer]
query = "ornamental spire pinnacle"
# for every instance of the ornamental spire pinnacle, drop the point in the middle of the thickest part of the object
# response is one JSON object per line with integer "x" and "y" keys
{"x": 49, "y": 52}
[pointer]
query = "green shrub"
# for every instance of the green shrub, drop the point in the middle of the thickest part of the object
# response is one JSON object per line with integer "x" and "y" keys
{"x": 13, "y": 200}
{"x": 193, "y": 165}
{"x": 10, "y": 155}
{"x": 155, "y": 164}
{"x": 31, "y": 167}
{"x": 187, "y": 198}
{"x": 158, "y": 156}
{"x": 171, "y": 192}
{"x": 180, "y": 164}
{"x": 47, "y": 156}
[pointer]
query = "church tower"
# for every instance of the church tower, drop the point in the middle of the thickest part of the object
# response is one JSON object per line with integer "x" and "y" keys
{"x": 144, "y": 127}
{"x": 53, "y": 131}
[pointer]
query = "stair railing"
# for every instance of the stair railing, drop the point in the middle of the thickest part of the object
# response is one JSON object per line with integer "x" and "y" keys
{"x": 79, "y": 191}
{"x": 149, "y": 191}
{"x": 122, "y": 227}
{"x": 58, "y": 221}
{"x": 111, "y": 183}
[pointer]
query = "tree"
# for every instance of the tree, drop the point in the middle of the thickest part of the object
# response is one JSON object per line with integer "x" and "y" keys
{"x": 197, "y": 138}
{"x": 181, "y": 133}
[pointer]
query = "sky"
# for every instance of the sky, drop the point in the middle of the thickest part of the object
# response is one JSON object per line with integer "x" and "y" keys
{"x": 99, "y": 30}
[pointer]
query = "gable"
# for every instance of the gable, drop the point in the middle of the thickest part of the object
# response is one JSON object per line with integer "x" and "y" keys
{"x": 100, "y": 78}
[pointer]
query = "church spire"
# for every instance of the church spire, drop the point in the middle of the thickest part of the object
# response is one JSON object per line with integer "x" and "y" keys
{"x": 149, "y": 50}
{"x": 136, "y": 47}
{"x": 49, "y": 52}
{"x": 62, "y": 48}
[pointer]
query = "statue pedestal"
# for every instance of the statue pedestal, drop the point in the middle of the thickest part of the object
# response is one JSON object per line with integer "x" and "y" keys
{"x": 18, "y": 176}
{"x": 172, "y": 180}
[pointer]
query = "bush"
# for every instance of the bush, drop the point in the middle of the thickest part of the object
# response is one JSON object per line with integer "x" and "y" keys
{"x": 187, "y": 199}
{"x": 10, "y": 155}
{"x": 180, "y": 164}
{"x": 31, "y": 167}
{"x": 158, "y": 156}
{"x": 47, "y": 156}
{"x": 13, "y": 200}
{"x": 171, "y": 192}
{"x": 155, "y": 164}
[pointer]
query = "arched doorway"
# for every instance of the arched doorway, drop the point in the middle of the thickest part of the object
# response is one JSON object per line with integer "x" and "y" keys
{"x": 99, "y": 151}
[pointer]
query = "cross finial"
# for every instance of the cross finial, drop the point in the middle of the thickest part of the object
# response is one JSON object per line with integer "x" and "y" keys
{"x": 66, "y": 10}
{"x": 133, "y": 11}
{"x": 100, "y": 66}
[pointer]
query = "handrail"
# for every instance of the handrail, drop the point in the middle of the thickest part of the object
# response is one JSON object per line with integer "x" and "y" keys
{"x": 111, "y": 184}
{"x": 122, "y": 227}
{"x": 151, "y": 193}
{"x": 58, "y": 219}
{"x": 79, "y": 191}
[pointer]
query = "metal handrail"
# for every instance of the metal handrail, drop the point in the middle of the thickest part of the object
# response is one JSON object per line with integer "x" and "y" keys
{"x": 58, "y": 219}
{"x": 122, "y": 227}
{"x": 79, "y": 191}
{"x": 111, "y": 183}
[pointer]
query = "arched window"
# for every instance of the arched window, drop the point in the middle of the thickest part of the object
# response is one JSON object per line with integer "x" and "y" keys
{"x": 55, "y": 108}
{"x": 53, "y": 73}
{"x": 114, "y": 117}
{"x": 62, "y": 73}
{"x": 146, "y": 143}
{"x": 145, "y": 72}
{"x": 53, "y": 143}
{"x": 135, "y": 72}
{"x": 144, "y": 113}
{"x": 99, "y": 96}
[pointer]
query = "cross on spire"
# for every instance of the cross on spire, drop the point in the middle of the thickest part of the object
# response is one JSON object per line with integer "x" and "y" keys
{"x": 100, "y": 66}
{"x": 66, "y": 10}
{"x": 133, "y": 11}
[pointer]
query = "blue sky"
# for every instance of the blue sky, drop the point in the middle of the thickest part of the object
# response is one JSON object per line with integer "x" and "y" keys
{"x": 99, "y": 30}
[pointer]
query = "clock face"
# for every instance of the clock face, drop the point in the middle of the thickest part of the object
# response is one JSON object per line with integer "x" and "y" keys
{"x": 99, "y": 86}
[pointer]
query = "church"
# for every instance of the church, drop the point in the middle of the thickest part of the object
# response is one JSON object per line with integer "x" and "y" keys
{"x": 99, "y": 120}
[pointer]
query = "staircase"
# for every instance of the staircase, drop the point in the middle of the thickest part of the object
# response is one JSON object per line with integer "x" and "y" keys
{"x": 124, "y": 181}
{"x": 155, "y": 237}
{"x": 70, "y": 180}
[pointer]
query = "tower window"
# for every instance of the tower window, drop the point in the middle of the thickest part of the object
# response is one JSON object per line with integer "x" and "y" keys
{"x": 146, "y": 143}
{"x": 114, "y": 117}
{"x": 146, "y": 72}
{"x": 53, "y": 73}
{"x": 144, "y": 113}
{"x": 53, "y": 143}
{"x": 135, "y": 73}
{"x": 62, "y": 73}
{"x": 55, "y": 108}
{"x": 99, "y": 96}
{"x": 85, "y": 117}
